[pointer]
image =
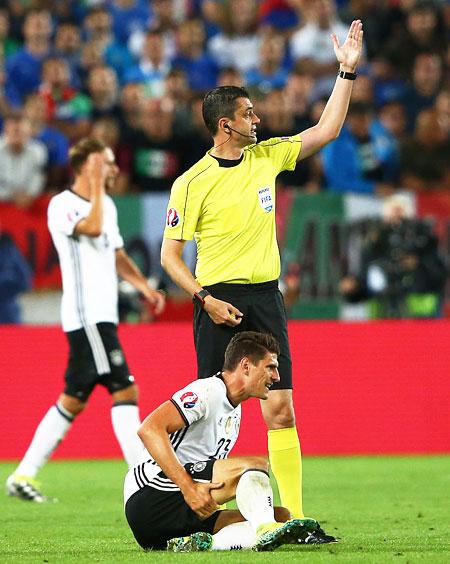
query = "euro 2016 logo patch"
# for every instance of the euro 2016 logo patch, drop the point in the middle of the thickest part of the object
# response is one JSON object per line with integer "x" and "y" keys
{"x": 189, "y": 399}
{"x": 265, "y": 199}
{"x": 172, "y": 218}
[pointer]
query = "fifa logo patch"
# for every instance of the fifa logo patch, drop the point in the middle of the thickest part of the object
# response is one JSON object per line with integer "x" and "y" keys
{"x": 189, "y": 399}
{"x": 265, "y": 199}
{"x": 172, "y": 218}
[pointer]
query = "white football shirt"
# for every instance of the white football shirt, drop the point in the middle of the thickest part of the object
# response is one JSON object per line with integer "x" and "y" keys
{"x": 88, "y": 264}
{"x": 212, "y": 428}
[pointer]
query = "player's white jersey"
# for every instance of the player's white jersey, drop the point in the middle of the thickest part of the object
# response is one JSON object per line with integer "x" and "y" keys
{"x": 88, "y": 264}
{"x": 212, "y": 428}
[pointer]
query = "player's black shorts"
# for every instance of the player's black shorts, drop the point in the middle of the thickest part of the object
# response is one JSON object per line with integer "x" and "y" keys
{"x": 263, "y": 309}
{"x": 96, "y": 357}
{"x": 157, "y": 516}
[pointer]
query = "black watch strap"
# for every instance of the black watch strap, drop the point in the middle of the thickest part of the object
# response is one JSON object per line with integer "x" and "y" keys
{"x": 347, "y": 75}
{"x": 199, "y": 297}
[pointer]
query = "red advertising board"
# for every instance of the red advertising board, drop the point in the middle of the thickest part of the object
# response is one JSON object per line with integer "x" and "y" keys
{"x": 360, "y": 388}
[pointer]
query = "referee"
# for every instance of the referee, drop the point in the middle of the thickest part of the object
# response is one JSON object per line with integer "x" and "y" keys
{"x": 226, "y": 201}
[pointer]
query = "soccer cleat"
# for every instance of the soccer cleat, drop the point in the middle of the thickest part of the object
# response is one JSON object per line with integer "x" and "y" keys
{"x": 197, "y": 542}
{"x": 276, "y": 534}
{"x": 26, "y": 488}
{"x": 318, "y": 536}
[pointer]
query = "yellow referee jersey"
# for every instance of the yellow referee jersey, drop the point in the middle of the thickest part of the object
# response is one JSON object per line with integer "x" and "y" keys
{"x": 230, "y": 211}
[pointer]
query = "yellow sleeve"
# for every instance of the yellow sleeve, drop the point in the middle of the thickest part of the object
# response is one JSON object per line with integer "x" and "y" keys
{"x": 183, "y": 211}
{"x": 283, "y": 151}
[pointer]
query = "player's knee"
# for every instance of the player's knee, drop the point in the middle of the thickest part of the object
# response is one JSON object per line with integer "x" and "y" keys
{"x": 130, "y": 393}
{"x": 72, "y": 405}
{"x": 282, "y": 514}
{"x": 255, "y": 463}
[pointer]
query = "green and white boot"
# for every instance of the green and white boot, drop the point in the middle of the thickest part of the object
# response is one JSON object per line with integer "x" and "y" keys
{"x": 197, "y": 542}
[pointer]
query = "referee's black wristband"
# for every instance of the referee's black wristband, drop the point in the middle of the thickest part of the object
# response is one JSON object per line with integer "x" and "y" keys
{"x": 347, "y": 75}
{"x": 199, "y": 297}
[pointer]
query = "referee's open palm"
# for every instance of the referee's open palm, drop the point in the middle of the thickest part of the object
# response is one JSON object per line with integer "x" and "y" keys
{"x": 348, "y": 54}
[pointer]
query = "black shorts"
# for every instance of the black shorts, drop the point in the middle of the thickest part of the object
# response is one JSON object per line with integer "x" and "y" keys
{"x": 95, "y": 357}
{"x": 263, "y": 309}
{"x": 157, "y": 516}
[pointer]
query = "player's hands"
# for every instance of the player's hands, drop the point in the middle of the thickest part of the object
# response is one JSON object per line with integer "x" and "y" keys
{"x": 198, "y": 497}
{"x": 349, "y": 53}
{"x": 156, "y": 299}
{"x": 97, "y": 170}
{"x": 222, "y": 312}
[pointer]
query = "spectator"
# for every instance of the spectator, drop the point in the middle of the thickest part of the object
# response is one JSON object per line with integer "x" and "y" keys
{"x": 298, "y": 92}
{"x": 425, "y": 157}
{"x": 67, "y": 46}
{"x": 230, "y": 76}
{"x": 198, "y": 140}
{"x": 98, "y": 26}
{"x": 153, "y": 65}
{"x": 199, "y": 66}
{"x": 426, "y": 80}
{"x": 272, "y": 70}
{"x": 311, "y": 44}
{"x": 15, "y": 278}
{"x": 106, "y": 129}
{"x": 363, "y": 90}
{"x": 157, "y": 150}
{"x": 103, "y": 91}
{"x": 400, "y": 265}
{"x": 364, "y": 158}
{"x": 127, "y": 16}
{"x": 56, "y": 143}
{"x": 387, "y": 83}
{"x": 442, "y": 106}
{"x": 23, "y": 68}
{"x": 392, "y": 116}
{"x": 67, "y": 109}
{"x": 237, "y": 45}
{"x": 422, "y": 33}
{"x": 22, "y": 162}
{"x": 8, "y": 45}
{"x": 132, "y": 100}
{"x": 91, "y": 55}
{"x": 5, "y": 107}
{"x": 176, "y": 89}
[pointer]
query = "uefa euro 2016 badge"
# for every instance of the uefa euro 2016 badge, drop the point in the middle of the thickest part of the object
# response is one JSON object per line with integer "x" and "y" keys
{"x": 265, "y": 199}
{"x": 173, "y": 218}
{"x": 189, "y": 399}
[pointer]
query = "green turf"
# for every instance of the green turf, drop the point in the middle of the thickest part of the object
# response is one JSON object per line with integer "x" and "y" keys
{"x": 383, "y": 509}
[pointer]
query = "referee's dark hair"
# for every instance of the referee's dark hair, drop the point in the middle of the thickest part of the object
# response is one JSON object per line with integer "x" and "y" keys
{"x": 221, "y": 102}
{"x": 251, "y": 344}
{"x": 79, "y": 153}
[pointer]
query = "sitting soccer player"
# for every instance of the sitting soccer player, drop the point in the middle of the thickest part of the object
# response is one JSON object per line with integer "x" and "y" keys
{"x": 172, "y": 497}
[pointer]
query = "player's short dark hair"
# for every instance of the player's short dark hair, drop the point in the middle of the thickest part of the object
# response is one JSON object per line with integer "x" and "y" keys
{"x": 251, "y": 344}
{"x": 221, "y": 102}
{"x": 79, "y": 153}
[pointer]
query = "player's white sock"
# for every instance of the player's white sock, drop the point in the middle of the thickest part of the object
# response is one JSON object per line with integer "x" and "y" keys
{"x": 254, "y": 498}
{"x": 125, "y": 421}
{"x": 49, "y": 433}
{"x": 237, "y": 536}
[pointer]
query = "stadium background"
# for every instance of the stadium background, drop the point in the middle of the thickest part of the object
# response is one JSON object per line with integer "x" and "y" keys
{"x": 362, "y": 388}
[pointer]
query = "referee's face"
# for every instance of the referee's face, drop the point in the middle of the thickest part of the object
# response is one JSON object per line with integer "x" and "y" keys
{"x": 245, "y": 122}
{"x": 262, "y": 375}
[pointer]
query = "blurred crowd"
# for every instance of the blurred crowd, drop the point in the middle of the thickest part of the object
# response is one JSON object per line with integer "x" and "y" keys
{"x": 133, "y": 73}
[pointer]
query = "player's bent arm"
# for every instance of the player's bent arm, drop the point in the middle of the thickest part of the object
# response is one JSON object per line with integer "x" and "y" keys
{"x": 154, "y": 433}
{"x": 92, "y": 224}
{"x": 129, "y": 271}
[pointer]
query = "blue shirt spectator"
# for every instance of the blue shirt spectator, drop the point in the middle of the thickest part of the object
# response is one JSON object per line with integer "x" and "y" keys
{"x": 365, "y": 156}
{"x": 126, "y": 18}
{"x": 15, "y": 277}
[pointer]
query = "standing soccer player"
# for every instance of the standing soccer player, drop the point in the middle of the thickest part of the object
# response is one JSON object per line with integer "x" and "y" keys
{"x": 83, "y": 225}
{"x": 227, "y": 202}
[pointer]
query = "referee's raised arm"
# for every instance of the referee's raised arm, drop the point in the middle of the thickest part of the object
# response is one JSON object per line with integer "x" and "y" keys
{"x": 333, "y": 116}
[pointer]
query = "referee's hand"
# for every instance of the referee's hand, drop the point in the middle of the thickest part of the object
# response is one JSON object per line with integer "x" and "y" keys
{"x": 222, "y": 313}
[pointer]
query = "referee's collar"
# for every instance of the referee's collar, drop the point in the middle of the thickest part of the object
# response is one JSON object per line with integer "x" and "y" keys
{"x": 228, "y": 163}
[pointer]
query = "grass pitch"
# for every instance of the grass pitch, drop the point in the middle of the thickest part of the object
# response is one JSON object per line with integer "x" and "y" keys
{"x": 384, "y": 509}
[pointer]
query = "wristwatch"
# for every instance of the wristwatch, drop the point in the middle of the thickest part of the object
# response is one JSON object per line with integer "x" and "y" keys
{"x": 347, "y": 75}
{"x": 199, "y": 297}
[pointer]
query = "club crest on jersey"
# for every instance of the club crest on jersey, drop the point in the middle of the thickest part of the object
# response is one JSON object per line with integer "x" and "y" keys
{"x": 172, "y": 218}
{"x": 117, "y": 358}
{"x": 199, "y": 467}
{"x": 265, "y": 199}
{"x": 189, "y": 399}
